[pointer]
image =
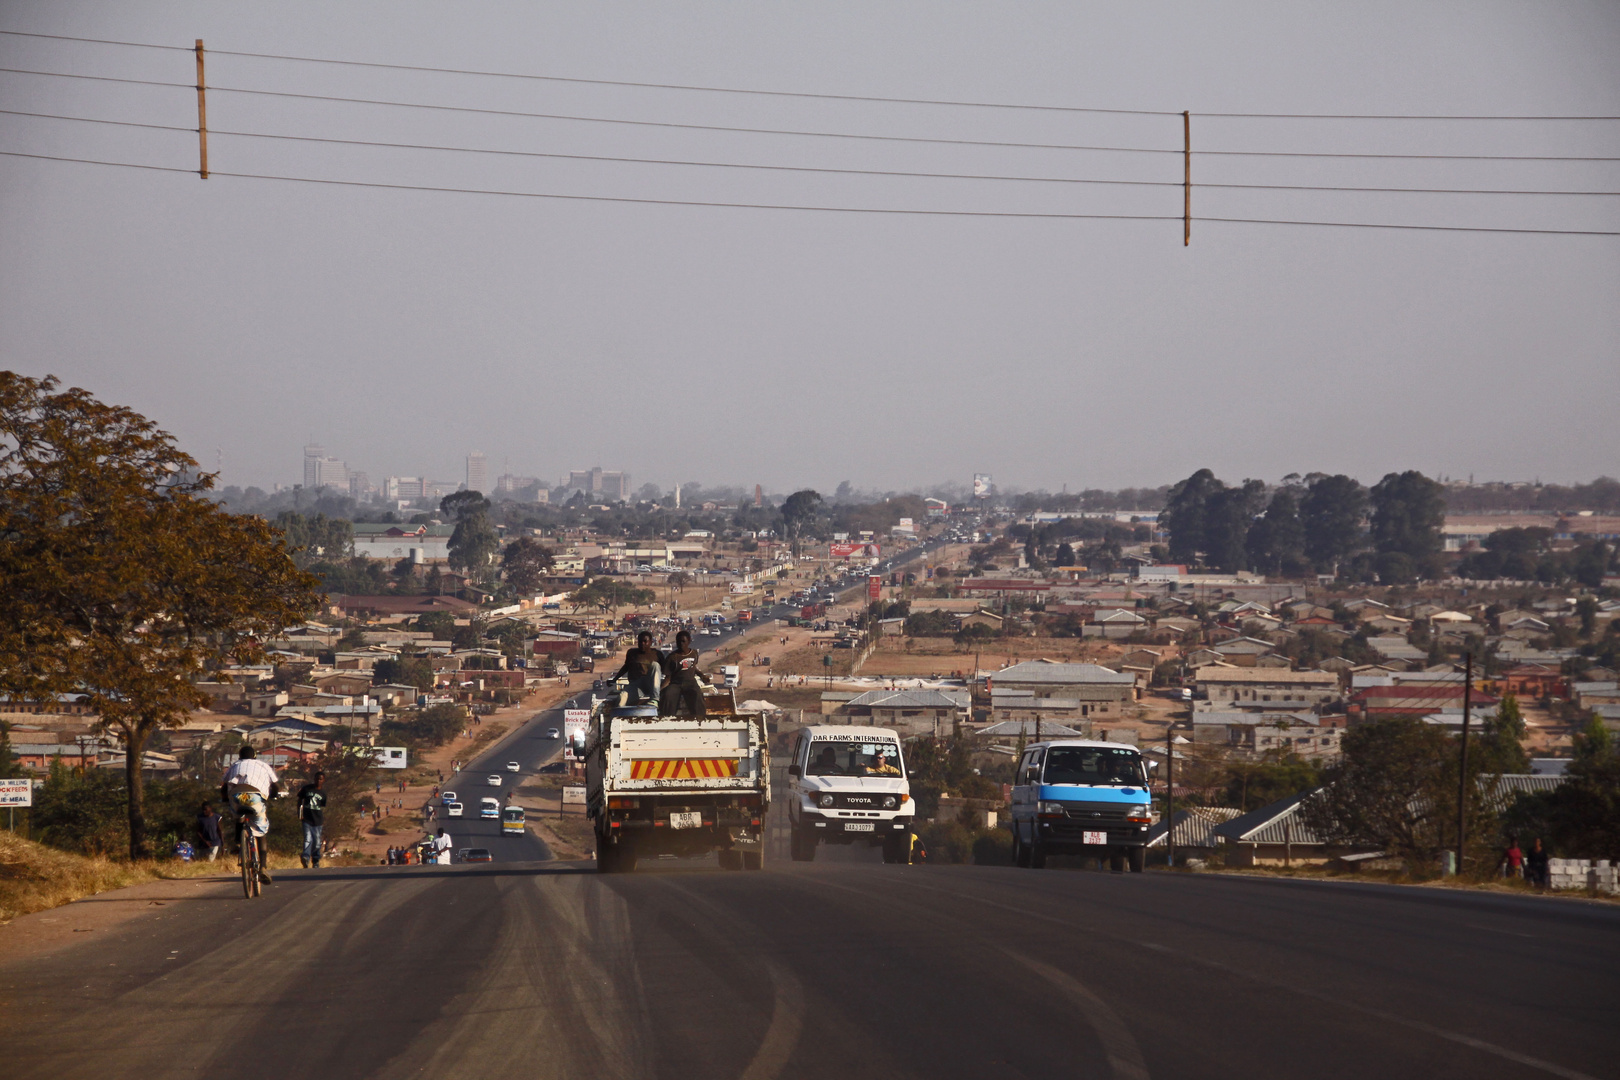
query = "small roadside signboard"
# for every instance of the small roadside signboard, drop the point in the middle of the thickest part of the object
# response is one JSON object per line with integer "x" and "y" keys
{"x": 17, "y": 792}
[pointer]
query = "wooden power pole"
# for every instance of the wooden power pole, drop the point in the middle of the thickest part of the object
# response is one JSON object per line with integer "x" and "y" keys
{"x": 202, "y": 115}
{"x": 1186, "y": 164}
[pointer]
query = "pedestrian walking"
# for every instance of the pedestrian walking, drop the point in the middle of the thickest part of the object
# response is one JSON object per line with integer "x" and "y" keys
{"x": 312, "y": 812}
{"x": 208, "y": 835}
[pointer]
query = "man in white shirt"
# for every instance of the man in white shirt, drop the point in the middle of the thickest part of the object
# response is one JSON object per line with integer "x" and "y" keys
{"x": 441, "y": 849}
{"x": 247, "y": 785}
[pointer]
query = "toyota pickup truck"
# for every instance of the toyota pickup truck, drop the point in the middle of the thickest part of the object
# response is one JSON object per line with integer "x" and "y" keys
{"x": 847, "y": 785}
{"x": 677, "y": 785}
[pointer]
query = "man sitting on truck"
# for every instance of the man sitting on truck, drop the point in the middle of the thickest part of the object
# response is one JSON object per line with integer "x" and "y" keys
{"x": 642, "y": 665}
{"x": 682, "y": 688}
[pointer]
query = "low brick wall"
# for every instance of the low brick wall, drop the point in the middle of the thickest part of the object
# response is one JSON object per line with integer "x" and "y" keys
{"x": 1598, "y": 874}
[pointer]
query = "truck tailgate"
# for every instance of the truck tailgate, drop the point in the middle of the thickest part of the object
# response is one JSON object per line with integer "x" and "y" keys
{"x": 671, "y": 754}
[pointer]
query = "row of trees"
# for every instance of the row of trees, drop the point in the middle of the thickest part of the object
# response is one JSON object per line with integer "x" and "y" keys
{"x": 1527, "y": 554}
{"x": 1318, "y": 523}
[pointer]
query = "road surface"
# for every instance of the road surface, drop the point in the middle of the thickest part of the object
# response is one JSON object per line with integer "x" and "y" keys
{"x": 845, "y": 970}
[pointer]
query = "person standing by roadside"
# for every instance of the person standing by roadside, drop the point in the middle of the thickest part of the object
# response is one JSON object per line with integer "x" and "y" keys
{"x": 312, "y": 812}
{"x": 441, "y": 849}
{"x": 1535, "y": 864}
{"x": 208, "y": 834}
{"x": 1514, "y": 859}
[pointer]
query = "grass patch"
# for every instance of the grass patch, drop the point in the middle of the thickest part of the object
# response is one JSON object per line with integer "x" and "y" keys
{"x": 34, "y": 877}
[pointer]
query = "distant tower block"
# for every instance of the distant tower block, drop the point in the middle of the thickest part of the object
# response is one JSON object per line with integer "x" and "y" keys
{"x": 759, "y": 497}
{"x": 477, "y": 471}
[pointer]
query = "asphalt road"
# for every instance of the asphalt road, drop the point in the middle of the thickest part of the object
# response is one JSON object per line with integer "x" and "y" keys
{"x": 842, "y": 970}
{"x": 531, "y": 749}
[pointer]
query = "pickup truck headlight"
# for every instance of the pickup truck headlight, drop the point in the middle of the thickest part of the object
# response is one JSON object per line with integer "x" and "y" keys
{"x": 825, "y": 801}
{"x": 890, "y": 802}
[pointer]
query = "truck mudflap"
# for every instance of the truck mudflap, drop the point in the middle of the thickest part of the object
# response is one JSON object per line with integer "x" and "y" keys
{"x": 750, "y": 839}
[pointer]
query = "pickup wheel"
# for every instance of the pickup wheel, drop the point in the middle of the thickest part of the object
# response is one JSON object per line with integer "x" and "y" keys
{"x": 802, "y": 846}
{"x": 1138, "y": 859}
{"x": 730, "y": 859}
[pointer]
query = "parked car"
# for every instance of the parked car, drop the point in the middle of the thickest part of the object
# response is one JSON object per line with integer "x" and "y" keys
{"x": 494, "y": 780}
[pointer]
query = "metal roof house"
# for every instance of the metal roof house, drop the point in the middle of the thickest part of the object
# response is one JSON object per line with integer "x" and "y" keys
{"x": 1273, "y": 835}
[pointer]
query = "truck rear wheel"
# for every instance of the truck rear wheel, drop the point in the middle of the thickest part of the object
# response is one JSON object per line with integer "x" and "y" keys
{"x": 605, "y": 857}
{"x": 753, "y": 860}
{"x": 1138, "y": 859}
{"x": 730, "y": 859}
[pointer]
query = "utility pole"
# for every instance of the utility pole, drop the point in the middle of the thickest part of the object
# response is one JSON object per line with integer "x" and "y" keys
{"x": 1462, "y": 764}
{"x": 1186, "y": 181}
{"x": 1170, "y": 793}
{"x": 202, "y": 115}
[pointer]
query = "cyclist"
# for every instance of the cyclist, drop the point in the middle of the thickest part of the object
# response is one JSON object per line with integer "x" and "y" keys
{"x": 247, "y": 785}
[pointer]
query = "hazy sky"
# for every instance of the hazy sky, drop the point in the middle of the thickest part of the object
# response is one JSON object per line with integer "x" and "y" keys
{"x": 789, "y": 347}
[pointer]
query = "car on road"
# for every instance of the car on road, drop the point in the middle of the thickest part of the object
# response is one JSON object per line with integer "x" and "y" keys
{"x": 554, "y": 767}
{"x": 447, "y": 797}
{"x": 552, "y": 733}
{"x": 478, "y": 854}
{"x": 512, "y": 766}
{"x": 452, "y": 809}
{"x": 494, "y": 779}
{"x": 489, "y": 808}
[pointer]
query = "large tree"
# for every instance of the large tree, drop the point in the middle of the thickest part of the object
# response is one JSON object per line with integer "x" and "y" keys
{"x": 122, "y": 581}
{"x": 525, "y": 562}
{"x": 1408, "y": 510}
{"x": 1186, "y": 514}
{"x": 473, "y": 544}
{"x": 1228, "y": 516}
{"x": 798, "y": 510}
{"x": 1276, "y": 540}
{"x": 1331, "y": 513}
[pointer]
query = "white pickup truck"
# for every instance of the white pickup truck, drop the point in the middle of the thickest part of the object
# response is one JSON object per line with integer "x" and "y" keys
{"x": 847, "y": 785}
{"x": 677, "y": 785}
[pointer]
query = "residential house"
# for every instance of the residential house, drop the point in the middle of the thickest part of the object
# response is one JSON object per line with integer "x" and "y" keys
{"x": 1093, "y": 690}
{"x": 1194, "y": 829}
{"x": 1259, "y": 688}
{"x": 1411, "y": 700}
{"x": 911, "y": 712}
{"x": 1273, "y": 835}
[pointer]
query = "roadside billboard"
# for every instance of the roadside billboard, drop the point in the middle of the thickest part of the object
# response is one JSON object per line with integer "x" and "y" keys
{"x": 850, "y": 550}
{"x": 874, "y": 588}
{"x": 981, "y": 485}
{"x": 17, "y": 792}
{"x": 574, "y": 724}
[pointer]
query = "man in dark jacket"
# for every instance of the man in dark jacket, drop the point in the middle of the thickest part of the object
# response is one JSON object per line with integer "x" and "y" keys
{"x": 682, "y": 689}
{"x": 208, "y": 834}
{"x": 312, "y": 812}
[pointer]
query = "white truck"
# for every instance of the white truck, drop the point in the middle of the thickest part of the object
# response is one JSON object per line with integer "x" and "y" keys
{"x": 847, "y": 785}
{"x": 677, "y": 785}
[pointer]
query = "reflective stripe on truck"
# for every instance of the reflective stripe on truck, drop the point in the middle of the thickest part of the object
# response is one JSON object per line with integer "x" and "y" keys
{"x": 682, "y": 768}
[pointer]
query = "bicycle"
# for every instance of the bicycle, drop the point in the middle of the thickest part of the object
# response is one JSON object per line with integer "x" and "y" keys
{"x": 247, "y": 850}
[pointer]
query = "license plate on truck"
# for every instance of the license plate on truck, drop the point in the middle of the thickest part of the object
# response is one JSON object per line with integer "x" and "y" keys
{"x": 689, "y": 820}
{"x": 1089, "y": 837}
{"x": 858, "y": 826}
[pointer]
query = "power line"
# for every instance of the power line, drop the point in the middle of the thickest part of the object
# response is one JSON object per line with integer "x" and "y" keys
{"x": 818, "y": 134}
{"x": 818, "y": 209}
{"x": 820, "y": 96}
{"x": 98, "y": 78}
{"x": 810, "y": 168}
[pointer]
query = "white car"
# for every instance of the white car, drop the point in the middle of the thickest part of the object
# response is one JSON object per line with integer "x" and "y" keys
{"x": 551, "y": 733}
{"x": 494, "y": 779}
{"x": 452, "y": 809}
{"x": 512, "y": 766}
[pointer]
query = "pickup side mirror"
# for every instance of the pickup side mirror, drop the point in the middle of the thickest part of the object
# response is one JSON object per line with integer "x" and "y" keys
{"x": 794, "y": 770}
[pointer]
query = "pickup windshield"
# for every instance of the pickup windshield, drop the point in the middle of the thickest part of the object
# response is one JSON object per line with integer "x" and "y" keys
{"x": 840, "y": 758}
{"x": 1094, "y": 765}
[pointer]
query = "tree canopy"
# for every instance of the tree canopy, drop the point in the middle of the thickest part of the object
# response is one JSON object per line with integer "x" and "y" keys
{"x": 525, "y": 562}
{"x": 122, "y": 581}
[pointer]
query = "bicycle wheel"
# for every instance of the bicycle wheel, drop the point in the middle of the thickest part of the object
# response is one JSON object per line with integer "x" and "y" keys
{"x": 247, "y": 855}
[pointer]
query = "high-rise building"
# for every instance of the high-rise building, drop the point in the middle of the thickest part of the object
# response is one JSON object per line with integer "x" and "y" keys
{"x": 614, "y": 486}
{"x": 360, "y": 485}
{"x": 403, "y": 487}
{"x": 321, "y": 471}
{"x": 478, "y": 472}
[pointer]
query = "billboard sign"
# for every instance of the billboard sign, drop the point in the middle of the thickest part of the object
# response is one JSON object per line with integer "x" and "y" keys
{"x": 981, "y": 485}
{"x": 17, "y": 792}
{"x": 853, "y": 551}
{"x": 874, "y": 588}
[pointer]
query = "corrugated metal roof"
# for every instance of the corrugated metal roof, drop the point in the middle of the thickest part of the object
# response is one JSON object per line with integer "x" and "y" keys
{"x": 1278, "y": 823}
{"x": 1195, "y": 827}
{"x": 1044, "y": 671}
